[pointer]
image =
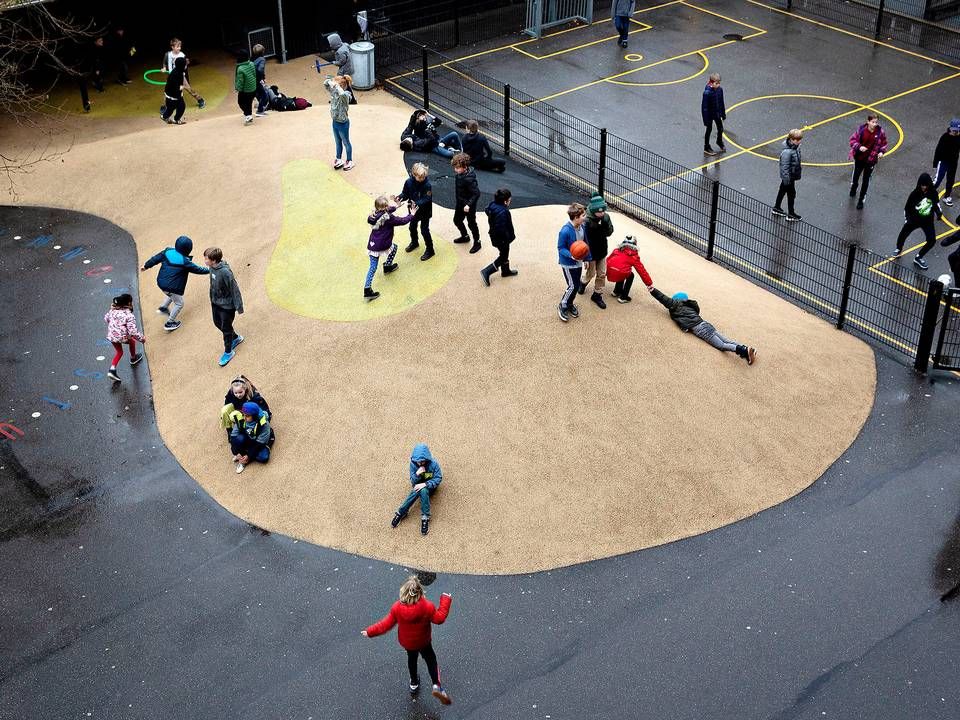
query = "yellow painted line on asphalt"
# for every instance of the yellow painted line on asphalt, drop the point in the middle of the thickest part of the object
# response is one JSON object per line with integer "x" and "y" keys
{"x": 701, "y": 71}
{"x": 758, "y": 31}
{"x": 643, "y": 27}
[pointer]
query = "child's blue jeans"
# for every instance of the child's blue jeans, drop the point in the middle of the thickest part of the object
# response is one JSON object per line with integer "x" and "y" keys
{"x": 423, "y": 495}
{"x": 341, "y": 134}
{"x": 374, "y": 261}
{"x": 452, "y": 144}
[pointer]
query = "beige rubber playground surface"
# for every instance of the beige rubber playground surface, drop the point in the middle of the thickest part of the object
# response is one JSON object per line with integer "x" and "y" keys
{"x": 559, "y": 443}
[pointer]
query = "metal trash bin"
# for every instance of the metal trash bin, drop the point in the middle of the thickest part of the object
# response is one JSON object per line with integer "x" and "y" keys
{"x": 364, "y": 76}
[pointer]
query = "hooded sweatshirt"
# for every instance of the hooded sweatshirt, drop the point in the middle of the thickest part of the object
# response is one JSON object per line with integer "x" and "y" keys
{"x": 414, "y": 631}
{"x": 467, "y": 190}
{"x": 685, "y": 313}
{"x": 790, "y": 165}
{"x": 622, "y": 262}
{"x": 341, "y": 54}
{"x": 501, "y": 224}
{"x": 224, "y": 291}
{"x": 422, "y": 452}
{"x": 923, "y": 205}
{"x": 175, "y": 266}
{"x": 948, "y": 149}
{"x": 383, "y": 221}
{"x": 339, "y": 101}
{"x": 622, "y": 8}
{"x": 174, "y": 87}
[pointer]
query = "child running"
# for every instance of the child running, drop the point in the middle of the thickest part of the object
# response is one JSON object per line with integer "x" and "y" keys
{"x": 620, "y": 266}
{"x": 175, "y": 267}
{"x": 501, "y": 235}
{"x": 413, "y": 614}
{"x": 418, "y": 192}
{"x": 122, "y": 330}
{"x": 686, "y": 313}
{"x": 381, "y": 241}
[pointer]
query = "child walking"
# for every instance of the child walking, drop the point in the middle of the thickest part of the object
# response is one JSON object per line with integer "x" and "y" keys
{"x": 713, "y": 112}
{"x": 174, "y": 108}
{"x": 920, "y": 211}
{"x": 945, "y": 159}
{"x": 620, "y": 266}
{"x": 501, "y": 235}
{"x": 260, "y": 67}
{"x": 413, "y": 613}
{"x": 686, "y": 314}
{"x": 225, "y": 299}
{"x": 571, "y": 266}
{"x": 175, "y": 267}
{"x": 122, "y": 330}
{"x": 170, "y": 58}
{"x": 425, "y": 477}
{"x": 467, "y": 199}
{"x": 418, "y": 192}
{"x": 245, "y": 83}
{"x": 381, "y": 241}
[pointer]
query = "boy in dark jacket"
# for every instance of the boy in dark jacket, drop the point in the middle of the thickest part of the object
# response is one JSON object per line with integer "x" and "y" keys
{"x": 501, "y": 235}
{"x": 425, "y": 477}
{"x": 686, "y": 313}
{"x": 920, "y": 210}
{"x": 790, "y": 170}
{"x": 418, "y": 193}
{"x": 867, "y": 145}
{"x": 250, "y": 436}
{"x": 260, "y": 69}
{"x": 173, "y": 93}
{"x": 713, "y": 112}
{"x": 467, "y": 199}
{"x": 945, "y": 159}
{"x": 175, "y": 267}
{"x": 421, "y": 135}
{"x": 476, "y": 145}
{"x": 225, "y": 300}
{"x": 597, "y": 228}
{"x": 954, "y": 257}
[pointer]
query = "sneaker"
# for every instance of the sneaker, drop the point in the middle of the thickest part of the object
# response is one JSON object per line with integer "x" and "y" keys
{"x": 201, "y": 103}
{"x": 413, "y": 245}
{"x": 424, "y": 526}
{"x": 475, "y": 248}
{"x": 751, "y": 355}
{"x": 461, "y": 239}
{"x": 389, "y": 268}
{"x": 240, "y": 467}
{"x": 86, "y": 108}
{"x": 707, "y": 150}
{"x": 623, "y": 299}
{"x": 895, "y": 252}
{"x": 397, "y": 517}
{"x": 226, "y": 357}
{"x": 261, "y": 113}
{"x": 135, "y": 360}
{"x": 162, "y": 310}
{"x": 574, "y": 311}
{"x": 597, "y": 299}
{"x": 921, "y": 263}
{"x": 440, "y": 694}
{"x": 163, "y": 110}
{"x": 721, "y": 148}
{"x": 948, "y": 201}
{"x": 441, "y": 146}
{"x": 236, "y": 341}
{"x": 859, "y": 204}
{"x": 581, "y": 289}
{"x": 171, "y": 325}
{"x": 112, "y": 374}
{"x": 427, "y": 255}
{"x": 414, "y": 686}
{"x": 564, "y": 315}
{"x": 248, "y": 119}
{"x": 615, "y": 292}
{"x": 853, "y": 191}
{"x": 348, "y": 165}
{"x": 337, "y": 164}
{"x": 793, "y": 217}
{"x": 778, "y": 212}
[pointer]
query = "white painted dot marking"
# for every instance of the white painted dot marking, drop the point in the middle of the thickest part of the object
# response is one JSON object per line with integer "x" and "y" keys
{"x": 86, "y": 262}
{"x": 74, "y": 387}
{"x": 57, "y": 247}
{"x": 17, "y": 237}
{"x": 100, "y": 358}
{"x": 107, "y": 281}
{"x": 36, "y": 415}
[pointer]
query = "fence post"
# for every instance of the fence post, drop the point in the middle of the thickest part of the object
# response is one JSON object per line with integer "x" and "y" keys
{"x": 456, "y": 24}
{"x": 426, "y": 81}
{"x": 506, "y": 120}
{"x": 601, "y": 171}
{"x": 847, "y": 282}
{"x": 938, "y": 353}
{"x": 876, "y": 33}
{"x": 714, "y": 212}
{"x": 929, "y": 325}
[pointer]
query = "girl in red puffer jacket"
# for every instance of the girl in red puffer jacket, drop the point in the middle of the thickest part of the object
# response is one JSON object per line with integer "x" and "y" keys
{"x": 620, "y": 266}
{"x": 414, "y": 613}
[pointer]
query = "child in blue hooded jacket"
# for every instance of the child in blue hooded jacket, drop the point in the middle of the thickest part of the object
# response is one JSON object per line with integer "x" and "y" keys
{"x": 425, "y": 476}
{"x": 250, "y": 437}
{"x": 175, "y": 267}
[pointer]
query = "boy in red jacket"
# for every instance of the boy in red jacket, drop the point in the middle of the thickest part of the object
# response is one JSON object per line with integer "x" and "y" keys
{"x": 620, "y": 266}
{"x": 413, "y": 613}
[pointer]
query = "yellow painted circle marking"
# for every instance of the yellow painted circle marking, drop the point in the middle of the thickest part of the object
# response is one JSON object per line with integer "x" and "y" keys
{"x": 319, "y": 264}
{"x": 701, "y": 71}
{"x": 633, "y": 57}
{"x": 859, "y": 106}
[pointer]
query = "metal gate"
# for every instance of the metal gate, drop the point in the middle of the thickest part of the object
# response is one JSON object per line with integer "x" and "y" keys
{"x": 947, "y": 355}
{"x": 543, "y": 14}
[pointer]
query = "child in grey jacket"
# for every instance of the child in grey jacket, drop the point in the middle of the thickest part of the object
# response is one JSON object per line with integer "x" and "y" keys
{"x": 225, "y": 300}
{"x": 685, "y": 312}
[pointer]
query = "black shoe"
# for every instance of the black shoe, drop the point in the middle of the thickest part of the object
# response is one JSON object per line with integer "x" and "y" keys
{"x": 615, "y": 293}
{"x": 707, "y": 150}
{"x": 112, "y": 374}
{"x": 397, "y": 517}
{"x": 487, "y": 272}
{"x": 475, "y": 248}
{"x": 415, "y": 685}
{"x": 562, "y": 312}
{"x": 597, "y": 299}
{"x": 414, "y": 244}
{"x": 428, "y": 254}
{"x": 86, "y": 108}
{"x": 461, "y": 239}
{"x": 389, "y": 268}
{"x": 424, "y": 526}
{"x": 778, "y": 211}
{"x": 623, "y": 299}
{"x": 136, "y": 359}
{"x": 793, "y": 217}
{"x": 505, "y": 271}
{"x": 860, "y": 204}
{"x": 582, "y": 288}
{"x": 369, "y": 294}
{"x": 721, "y": 148}
{"x": 853, "y": 191}
{"x": 573, "y": 310}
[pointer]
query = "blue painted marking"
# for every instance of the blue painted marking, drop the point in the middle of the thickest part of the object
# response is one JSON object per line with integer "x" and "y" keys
{"x": 93, "y": 374}
{"x": 58, "y": 403}
{"x": 74, "y": 252}
{"x": 104, "y": 342}
{"x": 40, "y": 241}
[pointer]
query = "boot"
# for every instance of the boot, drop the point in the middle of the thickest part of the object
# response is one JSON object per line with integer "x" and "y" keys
{"x": 414, "y": 244}
{"x": 475, "y": 248}
{"x": 428, "y": 254}
{"x": 597, "y": 299}
{"x": 505, "y": 270}
{"x": 389, "y": 268}
{"x": 369, "y": 294}
{"x": 487, "y": 272}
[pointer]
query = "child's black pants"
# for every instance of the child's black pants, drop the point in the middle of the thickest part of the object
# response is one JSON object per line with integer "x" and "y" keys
{"x": 471, "y": 217}
{"x": 223, "y": 319}
{"x": 429, "y": 657}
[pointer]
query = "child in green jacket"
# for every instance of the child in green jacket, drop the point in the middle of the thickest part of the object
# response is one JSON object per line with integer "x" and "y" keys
{"x": 245, "y": 82}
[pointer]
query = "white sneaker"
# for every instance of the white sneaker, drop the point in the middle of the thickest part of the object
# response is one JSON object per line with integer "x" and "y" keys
{"x": 337, "y": 164}
{"x": 262, "y": 114}
{"x": 348, "y": 165}
{"x": 247, "y": 119}
{"x": 240, "y": 467}
{"x": 948, "y": 201}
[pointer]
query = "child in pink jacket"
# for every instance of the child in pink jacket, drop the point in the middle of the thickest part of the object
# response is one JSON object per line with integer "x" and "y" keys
{"x": 122, "y": 330}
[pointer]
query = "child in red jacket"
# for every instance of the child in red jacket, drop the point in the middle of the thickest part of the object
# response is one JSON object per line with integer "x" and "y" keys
{"x": 620, "y": 266}
{"x": 413, "y": 613}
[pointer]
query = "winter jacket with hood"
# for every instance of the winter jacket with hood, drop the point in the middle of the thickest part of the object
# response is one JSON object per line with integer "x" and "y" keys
{"x": 790, "y": 165}
{"x": 175, "y": 266}
{"x": 596, "y": 231}
{"x": 121, "y": 325}
{"x": 477, "y": 147}
{"x": 621, "y": 264}
{"x": 711, "y": 106}
{"x": 422, "y": 452}
{"x": 685, "y": 313}
{"x": 245, "y": 78}
{"x": 923, "y": 205}
{"x": 467, "y": 190}
{"x": 948, "y": 150}
{"x": 622, "y": 8}
{"x": 256, "y": 432}
{"x": 224, "y": 291}
{"x": 341, "y": 54}
{"x": 879, "y": 144}
{"x": 421, "y": 193}
{"x": 501, "y": 225}
{"x": 383, "y": 221}
{"x": 414, "y": 631}
{"x": 422, "y": 133}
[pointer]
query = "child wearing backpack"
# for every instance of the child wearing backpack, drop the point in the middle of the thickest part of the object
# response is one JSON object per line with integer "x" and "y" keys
{"x": 418, "y": 192}
{"x": 122, "y": 330}
{"x": 381, "y": 241}
{"x": 175, "y": 267}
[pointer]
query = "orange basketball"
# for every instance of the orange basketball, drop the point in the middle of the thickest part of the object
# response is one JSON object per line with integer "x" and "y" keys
{"x": 579, "y": 249}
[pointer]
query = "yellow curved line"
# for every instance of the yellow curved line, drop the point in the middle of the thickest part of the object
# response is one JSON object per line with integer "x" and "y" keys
{"x": 893, "y": 122}
{"x": 701, "y": 71}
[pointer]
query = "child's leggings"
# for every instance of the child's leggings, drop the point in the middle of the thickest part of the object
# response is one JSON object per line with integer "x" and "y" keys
{"x": 429, "y": 657}
{"x": 374, "y": 261}
{"x": 118, "y": 346}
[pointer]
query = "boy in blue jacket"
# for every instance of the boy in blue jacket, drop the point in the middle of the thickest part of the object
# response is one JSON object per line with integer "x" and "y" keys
{"x": 713, "y": 112}
{"x": 571, "y": 266}
{"x": 425, "y": 476}
{"x": 175, "y": 267}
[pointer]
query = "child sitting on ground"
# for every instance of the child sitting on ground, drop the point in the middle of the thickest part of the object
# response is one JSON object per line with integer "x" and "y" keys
{"x": 241, "y": 391}
{"x": 122, "y": 329}
{"x": 418, "y": 192}
{"x": 250, "y": 438}
{"x": 476, "y": 145}
{"x": 381, "y": 241}
{"x": 425, "y": 476}
{"x": 686, "y": 313}
{"x": 620, "y": 266}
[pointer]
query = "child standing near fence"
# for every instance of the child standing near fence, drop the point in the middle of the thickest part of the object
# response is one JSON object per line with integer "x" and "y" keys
{"x": 381, "y": 241}
{"x": 122, "y": 330}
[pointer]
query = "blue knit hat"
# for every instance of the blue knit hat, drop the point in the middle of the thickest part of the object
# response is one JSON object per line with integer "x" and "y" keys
{"x": 251, "y": 409}
{"x": 681, "y": 296}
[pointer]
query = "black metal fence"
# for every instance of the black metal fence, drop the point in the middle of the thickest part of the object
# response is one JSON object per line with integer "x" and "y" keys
{"x": 869, "y": 295}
